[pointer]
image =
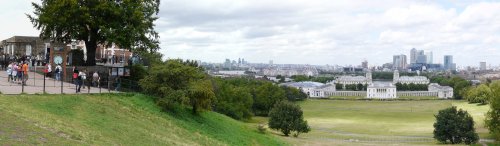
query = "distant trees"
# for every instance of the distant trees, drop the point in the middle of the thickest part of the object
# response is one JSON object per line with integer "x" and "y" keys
{"x": 454, "y": 126}
{"x": 411, "y": 87}
{"x": 288, "y": 117}
{"x": 480, "y": 94}
{"x": 493, "y": 116}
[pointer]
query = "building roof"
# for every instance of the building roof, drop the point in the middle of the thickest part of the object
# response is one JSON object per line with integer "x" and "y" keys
{"x": 381, "y": 85}
{"x": 306, "y": 84}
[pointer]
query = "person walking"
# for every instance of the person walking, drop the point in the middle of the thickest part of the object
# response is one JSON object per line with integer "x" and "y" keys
{"x": 58, "y": 72}
{"x": 25, "y": 71}
{"x": 84, "y": 77}
{"x": 79, "y": 81}
{"x": 95, "y": 79}
{"x": 9, "y": 72}
{"x": 75, "y": 75}
{"x": 20, "y": 73}
{"x": 14, "y": 72}
{"x": 49, "y": 70}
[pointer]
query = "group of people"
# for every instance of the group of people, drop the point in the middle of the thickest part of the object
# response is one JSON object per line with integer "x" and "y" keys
{"x": 79, "y": 78}
{"x": 17, "y": 72}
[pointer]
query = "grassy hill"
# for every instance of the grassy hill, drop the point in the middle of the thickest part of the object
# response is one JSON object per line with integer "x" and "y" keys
{"x": 125, "y": 119}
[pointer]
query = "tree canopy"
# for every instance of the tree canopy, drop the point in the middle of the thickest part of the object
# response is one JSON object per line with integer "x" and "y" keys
{"x": 288, "y": 117}
{"x": 126, "y": 23}
{"x": 455, "y": 126}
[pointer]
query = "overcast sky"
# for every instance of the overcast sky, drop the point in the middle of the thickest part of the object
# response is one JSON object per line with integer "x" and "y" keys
{"x": 313, "y": 31}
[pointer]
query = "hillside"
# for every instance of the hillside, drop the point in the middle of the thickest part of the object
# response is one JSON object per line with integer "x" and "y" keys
{"x": 125, "y": 119}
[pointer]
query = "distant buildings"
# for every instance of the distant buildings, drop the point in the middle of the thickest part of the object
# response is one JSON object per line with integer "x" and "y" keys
{"x": 430, "y": 57}
{"x": 409, "y": 79}
{"x": 448, "y": 63}
{"x": 482, "y": 65}
{"x": 364, "y": 64}
{"x": 399, "y": 62}
{"x": 347, "y": 80}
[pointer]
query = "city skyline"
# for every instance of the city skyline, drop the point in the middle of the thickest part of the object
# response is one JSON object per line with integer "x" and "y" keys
{"x": 296, "y": 32}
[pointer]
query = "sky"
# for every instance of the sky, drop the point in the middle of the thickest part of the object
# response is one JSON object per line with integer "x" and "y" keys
{"x": 316, "y": 32}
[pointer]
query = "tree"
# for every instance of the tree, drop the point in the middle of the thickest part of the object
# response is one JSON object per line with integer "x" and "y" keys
{"x": 200, "y": 95}
{"x": 454, "y": 126}
{"x": 359, "y": 87}
{"x": 128, "y": 24}
{"x": 170, "y": 81}
{"x": 233, "y": 101}
{"x": 480, "y": 94}
{"x": 493, "y": 116}
{"x": 294, "y": 94}
{"x": 288, "y": 117}
{"x": 265, "y": 97}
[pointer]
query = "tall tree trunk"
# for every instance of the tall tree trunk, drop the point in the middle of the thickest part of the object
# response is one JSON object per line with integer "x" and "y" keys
{"x": 91, "y": 46}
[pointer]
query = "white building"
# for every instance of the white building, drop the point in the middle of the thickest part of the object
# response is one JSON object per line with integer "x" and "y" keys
{"x": 442, "y": 91}
{"x": 346, "y": 80}
{"x": 409, "y": 79}
{"x": 381, "y": 91}
{"x": 312, "y": 89}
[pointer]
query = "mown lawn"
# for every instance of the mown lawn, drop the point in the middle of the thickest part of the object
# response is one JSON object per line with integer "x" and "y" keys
{"x": 123, "y": 119}
{"x": 358, "y": 122}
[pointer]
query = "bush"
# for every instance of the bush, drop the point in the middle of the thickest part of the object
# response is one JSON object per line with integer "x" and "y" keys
{"x": 454, "y": 126}
{"x": 288, "y": 117}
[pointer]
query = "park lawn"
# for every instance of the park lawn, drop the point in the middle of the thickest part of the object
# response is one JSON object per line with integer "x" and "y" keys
{"x": 346, "y": 97}
{"x": 419, "y": 97}
{"x": 120, "y": 119}
{"x": 353, "y": 122}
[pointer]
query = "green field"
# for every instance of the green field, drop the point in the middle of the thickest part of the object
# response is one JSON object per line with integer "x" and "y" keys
{"x": 357, "y": 122}
{"x": 123, "y": 119}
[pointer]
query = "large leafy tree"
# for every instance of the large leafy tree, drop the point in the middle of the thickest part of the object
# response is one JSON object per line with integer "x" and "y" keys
{"x": 266, "y": 96}
{"x": 288, "y": 117}
{"x": 126, "y": 23}
{"x": 454, "y": 126}
{"x": 493, "y": 115}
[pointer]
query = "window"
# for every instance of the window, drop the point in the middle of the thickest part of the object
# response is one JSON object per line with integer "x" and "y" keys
{"x": 28, "y": 50}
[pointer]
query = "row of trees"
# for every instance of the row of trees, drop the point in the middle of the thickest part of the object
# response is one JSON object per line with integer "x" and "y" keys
{"x": 411, "y": 87}
{"x": 352, "y": 87}
{"x": 240, "y": 98}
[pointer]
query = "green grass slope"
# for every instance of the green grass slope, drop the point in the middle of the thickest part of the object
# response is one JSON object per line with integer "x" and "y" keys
{"x": 130, "y": 119}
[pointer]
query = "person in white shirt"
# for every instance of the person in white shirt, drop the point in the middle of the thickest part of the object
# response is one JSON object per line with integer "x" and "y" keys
{"x": 95, "y": 79}
{"x": 9, "y": 72}
{"x": 58, "y": 71}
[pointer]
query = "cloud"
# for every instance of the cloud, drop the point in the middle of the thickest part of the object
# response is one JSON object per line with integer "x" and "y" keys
{"x": 313, "y": 32}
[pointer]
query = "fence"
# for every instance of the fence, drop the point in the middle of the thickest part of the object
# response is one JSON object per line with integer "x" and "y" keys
{"x": 37, "y": 82}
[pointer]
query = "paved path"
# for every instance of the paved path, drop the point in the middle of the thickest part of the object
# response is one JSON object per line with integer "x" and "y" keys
{"x": 35, "y": 85}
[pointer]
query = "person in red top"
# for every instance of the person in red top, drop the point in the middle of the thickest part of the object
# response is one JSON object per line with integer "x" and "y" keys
{"x": 25, "y": 71}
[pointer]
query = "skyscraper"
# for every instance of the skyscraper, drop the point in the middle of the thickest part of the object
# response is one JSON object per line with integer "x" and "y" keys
{"x": 364, "y": 64}
{"x": 448, "y": 62}
{"x": 430, "y": 57}
{"x": 399, "y": 62}
{"x": 413, "y": 56}
{"x": 421, "y": 58}
{"x": 482, "y": 65}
